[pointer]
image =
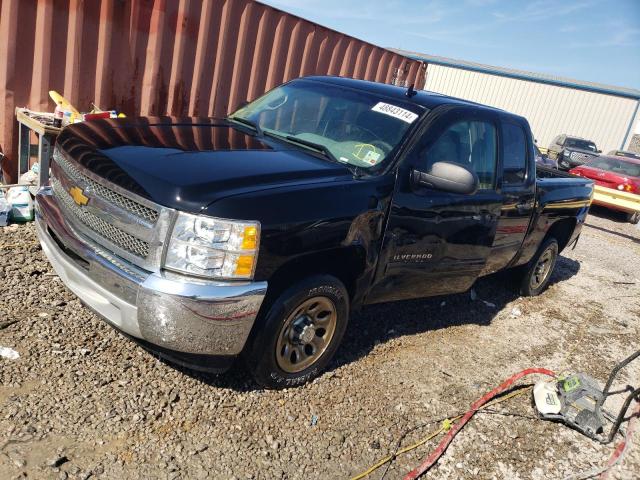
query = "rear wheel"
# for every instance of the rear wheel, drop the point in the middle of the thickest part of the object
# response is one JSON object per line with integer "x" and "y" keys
{"x": 633, "y": 217}
{"x": 537, "y": 272}
{"x": 300, "y": 333}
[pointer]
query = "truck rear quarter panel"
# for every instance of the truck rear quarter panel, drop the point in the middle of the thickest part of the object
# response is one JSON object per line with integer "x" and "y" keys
{"x": 559, "y": 199}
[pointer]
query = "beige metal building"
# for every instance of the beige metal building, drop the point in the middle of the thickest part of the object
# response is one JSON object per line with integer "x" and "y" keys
{"x": 605, "y": 114}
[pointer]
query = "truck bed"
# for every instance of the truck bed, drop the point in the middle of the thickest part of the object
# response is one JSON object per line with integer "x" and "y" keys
{"x": 546, "y": 172}
{"x": 558, "y": 186}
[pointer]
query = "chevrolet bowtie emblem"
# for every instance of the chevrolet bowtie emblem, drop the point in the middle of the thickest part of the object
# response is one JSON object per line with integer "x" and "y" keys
{"x": 78, "y": 197}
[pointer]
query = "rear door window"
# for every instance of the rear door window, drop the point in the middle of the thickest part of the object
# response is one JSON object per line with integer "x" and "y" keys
{"x": 514, "y": 154}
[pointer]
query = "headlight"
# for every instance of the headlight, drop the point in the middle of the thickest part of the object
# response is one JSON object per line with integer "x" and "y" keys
{"x": 213, "y": 247}
{"x": 566, "y": 153}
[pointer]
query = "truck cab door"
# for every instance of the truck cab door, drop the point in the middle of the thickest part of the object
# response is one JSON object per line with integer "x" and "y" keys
{"x": 438, "y": 242}
{"x": 518, "y": 189}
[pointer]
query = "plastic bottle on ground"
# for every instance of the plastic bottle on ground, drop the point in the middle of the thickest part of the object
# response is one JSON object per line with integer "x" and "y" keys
{"x": 21, "y": 204}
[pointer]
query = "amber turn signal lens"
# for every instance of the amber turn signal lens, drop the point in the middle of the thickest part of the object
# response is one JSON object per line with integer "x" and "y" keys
{"x": 244, "y": 265}
{"x": 250, "y": 238}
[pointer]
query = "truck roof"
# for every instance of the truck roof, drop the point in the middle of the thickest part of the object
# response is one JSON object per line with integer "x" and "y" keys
{"x": 575, "y": 137}
{"x": 422, "y": 97}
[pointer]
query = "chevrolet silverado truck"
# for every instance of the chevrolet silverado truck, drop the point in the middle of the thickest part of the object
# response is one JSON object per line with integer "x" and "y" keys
{"x": 256, "y": 235}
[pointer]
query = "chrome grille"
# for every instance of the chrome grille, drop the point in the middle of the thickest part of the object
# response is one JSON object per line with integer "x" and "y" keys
{"x": 118, "y": 263}
{"x": 120, "y": 238}
{"x": 581, "y": 157}
{"x": 108, "y": 194}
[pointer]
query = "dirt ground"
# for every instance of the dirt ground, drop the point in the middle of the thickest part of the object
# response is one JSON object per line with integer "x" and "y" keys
{"x": 82, "y": 401}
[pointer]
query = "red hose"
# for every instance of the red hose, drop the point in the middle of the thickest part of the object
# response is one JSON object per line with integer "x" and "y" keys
{"x": 437, "y": 453}
{"x": 620, "y": 448}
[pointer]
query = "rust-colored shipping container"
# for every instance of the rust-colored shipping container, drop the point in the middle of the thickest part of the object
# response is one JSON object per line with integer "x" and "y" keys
{"x": 167, "y": 57}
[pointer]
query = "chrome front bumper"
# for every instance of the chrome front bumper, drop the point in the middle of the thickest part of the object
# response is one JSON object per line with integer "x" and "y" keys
{"x": 167, "y": 310}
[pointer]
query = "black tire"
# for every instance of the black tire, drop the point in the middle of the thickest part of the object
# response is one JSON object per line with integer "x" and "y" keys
{"x": 536, "y": 275}
{"x": 633, "y": 218}
{"x": 282, "y": 343}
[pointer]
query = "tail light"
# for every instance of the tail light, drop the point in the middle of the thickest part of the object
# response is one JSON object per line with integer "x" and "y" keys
{"x": 629, "y": 187}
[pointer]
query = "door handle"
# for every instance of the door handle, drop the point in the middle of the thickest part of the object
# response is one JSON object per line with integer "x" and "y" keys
{"x": 485, "y": 217}
{"x": 524, "y": 207}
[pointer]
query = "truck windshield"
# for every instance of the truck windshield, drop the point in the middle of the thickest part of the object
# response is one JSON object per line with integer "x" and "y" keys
{"x": 354, "y": 127}
{"x": 581, "y": 144}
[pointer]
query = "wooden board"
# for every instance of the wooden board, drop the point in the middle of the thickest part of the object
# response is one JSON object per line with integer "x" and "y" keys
{"x": 22, "y": 115}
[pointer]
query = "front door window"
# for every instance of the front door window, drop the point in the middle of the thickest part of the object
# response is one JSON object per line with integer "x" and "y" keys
{"x": 471, "y": 144}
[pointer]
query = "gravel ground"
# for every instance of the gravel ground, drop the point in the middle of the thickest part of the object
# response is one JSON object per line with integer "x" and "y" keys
{"x": 84, "y": 402}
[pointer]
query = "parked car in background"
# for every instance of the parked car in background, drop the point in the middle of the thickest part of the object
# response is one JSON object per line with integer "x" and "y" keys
{"x": 617, "y": 173}
{"x": 624, "y": 153}
{"x": 542, "y": 159}
{"x": 571, "y": 151}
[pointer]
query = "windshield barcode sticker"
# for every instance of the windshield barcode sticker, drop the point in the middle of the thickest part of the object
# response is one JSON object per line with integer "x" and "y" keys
{"x": 396, "y": 112}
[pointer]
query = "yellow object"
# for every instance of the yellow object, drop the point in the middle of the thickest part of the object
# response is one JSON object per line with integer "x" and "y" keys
{"x": 250, "y": 238}
{"x": 447, "y": 424}
{"x": 95, "y": 109}
{"x": 627, "y": 201}
{"x": 244, "y": 265}
{"x": 445, "y": 427}
{"x": 65, "y": 105}
{"x": 78, "y": 196}
{"x": 122, "y": 115}
{"x": 358, "y": 150}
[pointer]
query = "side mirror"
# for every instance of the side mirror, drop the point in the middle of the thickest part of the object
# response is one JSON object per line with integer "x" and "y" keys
{"x": 598, "y": 151}
{"x": 447, "y": 176}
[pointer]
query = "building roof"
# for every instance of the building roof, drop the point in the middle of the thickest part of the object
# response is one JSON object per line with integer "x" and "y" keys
{"x": 523, "y": 75}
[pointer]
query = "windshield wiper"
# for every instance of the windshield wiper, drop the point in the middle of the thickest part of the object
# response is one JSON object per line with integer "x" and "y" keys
{"x": 314, "y": 146}
{"x": 249, "y": 123}
{"x": 317, "y": 146}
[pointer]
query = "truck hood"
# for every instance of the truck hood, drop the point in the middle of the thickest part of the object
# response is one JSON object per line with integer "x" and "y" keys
{"x": 187, "y": 164}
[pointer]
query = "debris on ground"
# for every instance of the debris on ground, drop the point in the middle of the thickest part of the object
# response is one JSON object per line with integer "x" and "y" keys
{"x": 21, "y": 203}
{"x": 9, "y": 353}
{"x": 139, "y": 417}
{"x": 6, "y": 322}
{"x": 5, "y": 209}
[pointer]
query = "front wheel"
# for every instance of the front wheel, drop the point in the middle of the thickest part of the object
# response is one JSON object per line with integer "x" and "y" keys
{"x": 537, "y": 272}
{"x": 299, "y": 334}
{"x": 633, "y": 218}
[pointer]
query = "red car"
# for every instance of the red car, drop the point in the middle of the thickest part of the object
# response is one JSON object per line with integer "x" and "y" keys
{"x": 618, "y": 173}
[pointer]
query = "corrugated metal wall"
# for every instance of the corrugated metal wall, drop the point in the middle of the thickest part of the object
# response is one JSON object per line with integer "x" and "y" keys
{"x": 167, "y": 57}
{"x": 551, "y": 110}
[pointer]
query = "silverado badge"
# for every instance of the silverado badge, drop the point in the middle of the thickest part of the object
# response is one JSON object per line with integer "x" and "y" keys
{"x": 78, "y": 196}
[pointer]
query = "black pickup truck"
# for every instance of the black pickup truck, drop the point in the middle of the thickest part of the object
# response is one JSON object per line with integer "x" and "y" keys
{"x": 258, "y": 234}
